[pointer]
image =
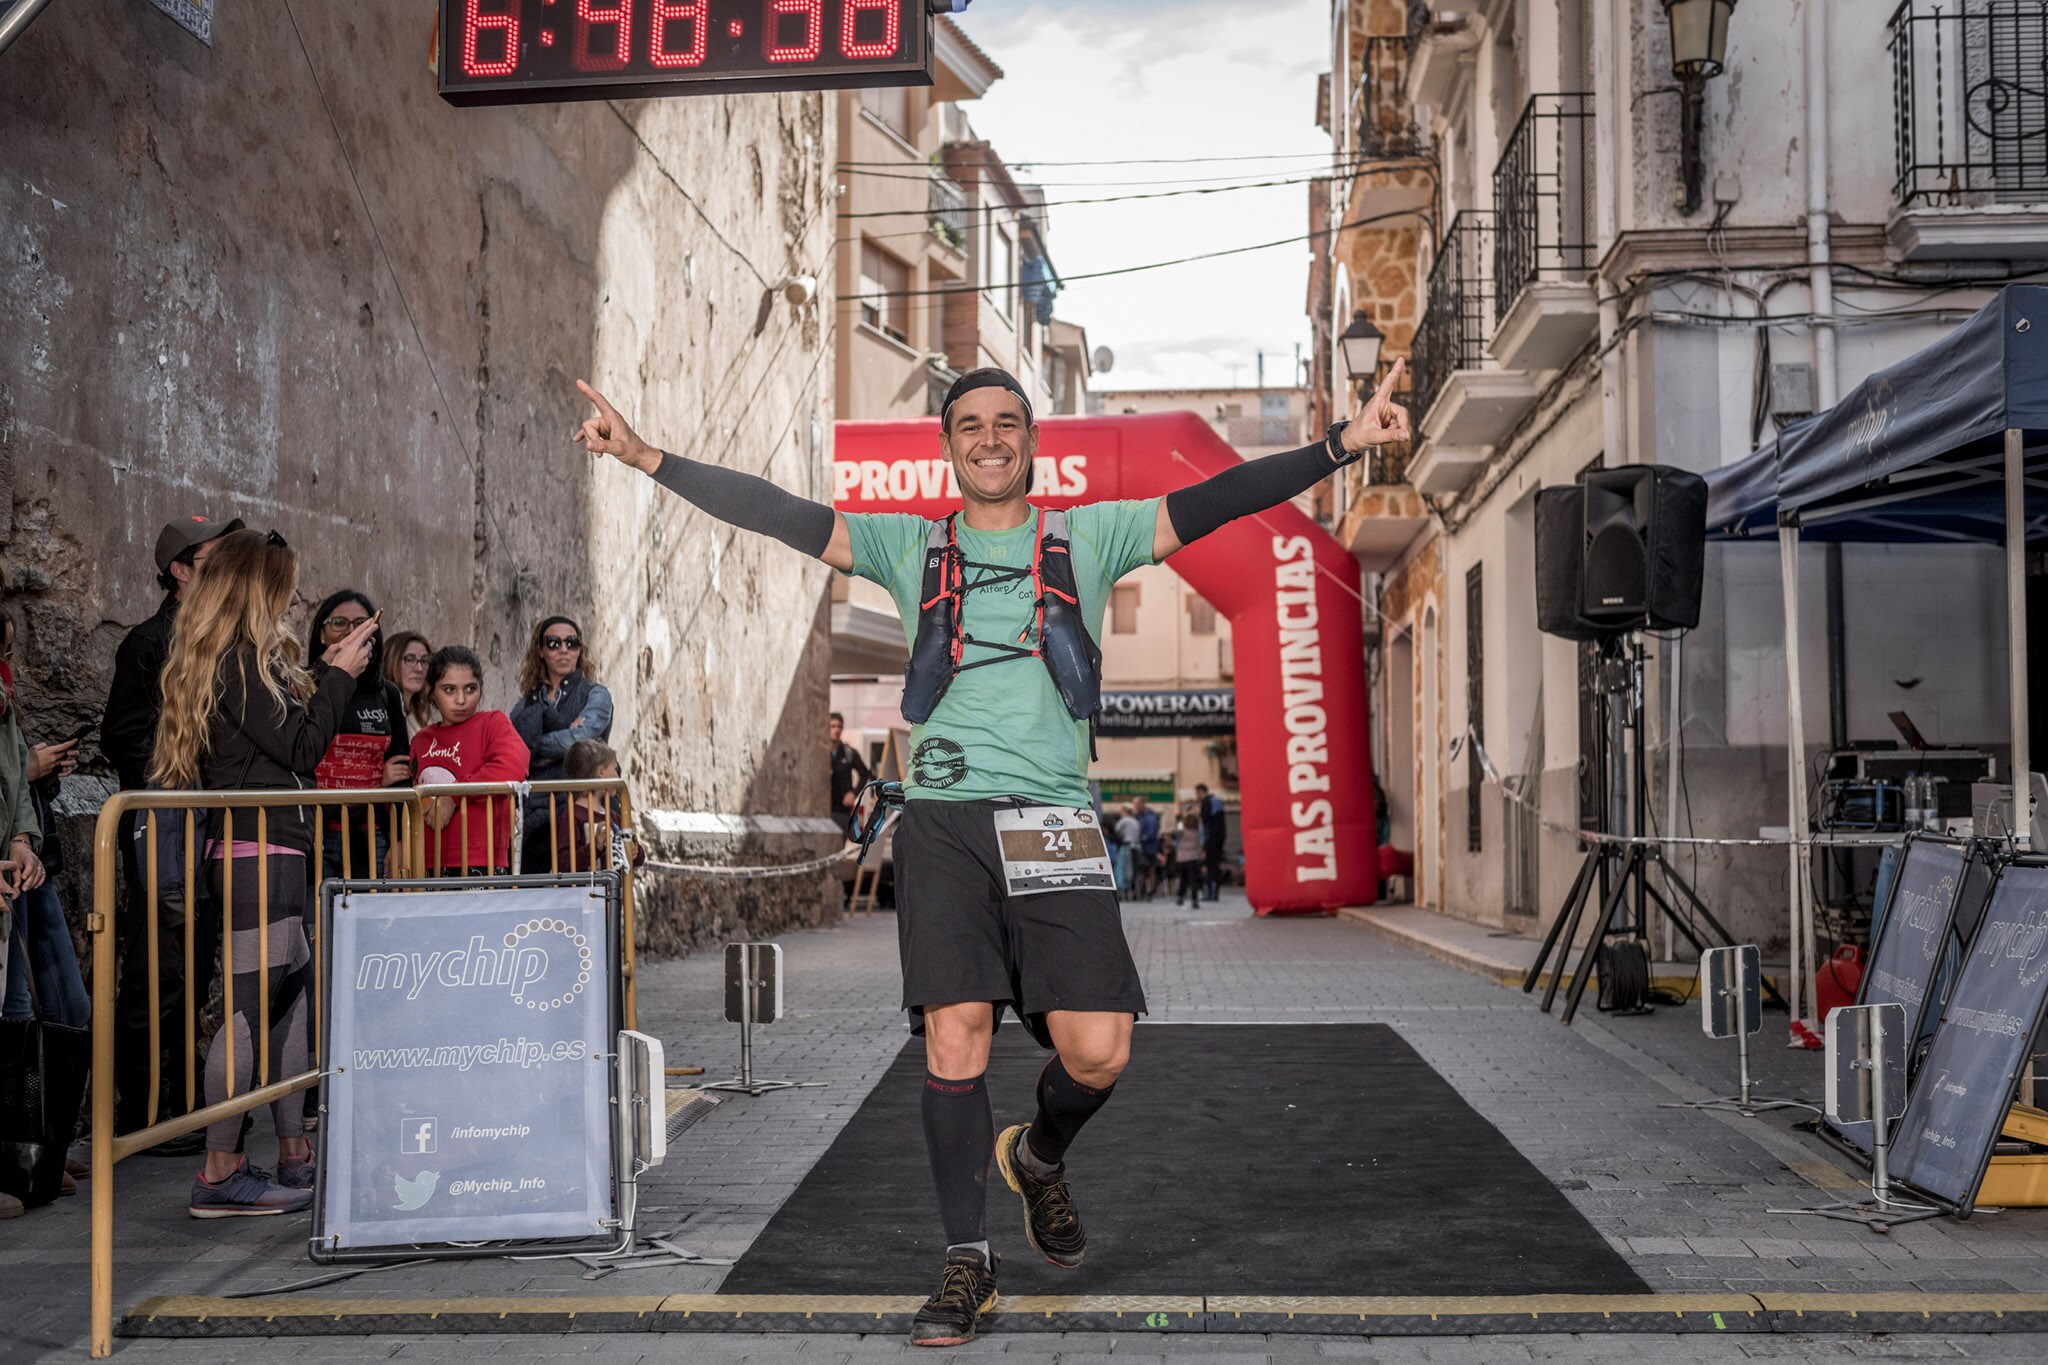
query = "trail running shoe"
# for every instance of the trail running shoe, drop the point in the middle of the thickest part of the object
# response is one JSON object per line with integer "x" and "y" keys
{"x": 952, "y": 1316}
{"x": 244, "y": 1195}
{"x": 1051, "y": 1223}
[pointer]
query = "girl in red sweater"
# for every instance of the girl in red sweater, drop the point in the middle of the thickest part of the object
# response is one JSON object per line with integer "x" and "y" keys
{"x": 466, "y": 836}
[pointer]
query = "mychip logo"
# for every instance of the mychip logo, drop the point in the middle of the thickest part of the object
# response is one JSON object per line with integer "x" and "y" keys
{"x": 544, "y": 965}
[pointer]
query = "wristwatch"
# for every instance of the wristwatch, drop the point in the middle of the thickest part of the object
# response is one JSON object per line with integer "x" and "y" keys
{"x": 1333, "y": 442}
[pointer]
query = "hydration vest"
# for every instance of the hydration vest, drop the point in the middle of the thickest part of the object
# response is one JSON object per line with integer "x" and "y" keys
{"x": 1062, "y": 639}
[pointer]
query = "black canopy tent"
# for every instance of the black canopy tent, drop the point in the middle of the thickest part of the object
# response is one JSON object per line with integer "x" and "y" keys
{"x": 1948, "y": 445}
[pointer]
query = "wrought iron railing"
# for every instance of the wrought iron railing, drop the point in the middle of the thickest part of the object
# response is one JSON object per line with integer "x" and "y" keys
{"x": 1970, "y": 101}
{"x": 1386, "y": 120}
{"x": 1457, "y": 313}
{"x": 1543, "y": 198}
{"x": 1420, "y": 17}
{"x": 947, "y": 205}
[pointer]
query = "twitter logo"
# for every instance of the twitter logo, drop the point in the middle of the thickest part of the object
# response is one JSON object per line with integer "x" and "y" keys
{"x": 416, "y": 1192}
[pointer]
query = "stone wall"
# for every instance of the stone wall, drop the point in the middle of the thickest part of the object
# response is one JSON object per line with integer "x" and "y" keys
{"x": 279, "y": 278}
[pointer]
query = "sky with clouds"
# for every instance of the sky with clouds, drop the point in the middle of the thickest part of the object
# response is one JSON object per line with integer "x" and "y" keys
{"x": 1123, "y": 79}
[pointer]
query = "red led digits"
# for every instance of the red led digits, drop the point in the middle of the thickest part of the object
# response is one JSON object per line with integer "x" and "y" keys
{"x": 592, "y": 18}
{"x": 667, "y": 12}
{"x": 892, "y": 29}
{"x": 813, "y": 12}
{"x": 474, "y": 22}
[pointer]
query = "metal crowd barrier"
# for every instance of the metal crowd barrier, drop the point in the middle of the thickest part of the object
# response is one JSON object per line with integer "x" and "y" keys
{"x": 413, "y": 825}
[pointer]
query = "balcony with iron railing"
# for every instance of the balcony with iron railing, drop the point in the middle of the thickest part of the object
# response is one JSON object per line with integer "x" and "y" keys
{"x": 1970, "y": 129}
{"x": 1378, "y": 512}
{"x": 947, "y": 207}
{"x": 1543, "y": 246}
{"x": 1465, "y": 401}
{"x": 1387, "y": 130}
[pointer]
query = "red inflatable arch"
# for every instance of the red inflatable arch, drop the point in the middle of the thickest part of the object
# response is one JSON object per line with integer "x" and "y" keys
{"x": 1294, "y": 602}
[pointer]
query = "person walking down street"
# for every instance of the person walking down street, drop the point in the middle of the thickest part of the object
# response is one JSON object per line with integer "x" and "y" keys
{"x": 1001, "y": 721}
{"x": 1148, "y": 849}
{"x": 405, "y": 668}
{"x": 560, "y": 702}
{"x": 1215, "y": 828}
{"x": 371, "y": 749}
{"x": 849, "y": 773}
{"x": 467, "y": 836}
{"x": 128, "y": 739}
{"x": 1127, "y": 852}
{"x": 240, "y": 714}
{"x": 1187, "y": 860}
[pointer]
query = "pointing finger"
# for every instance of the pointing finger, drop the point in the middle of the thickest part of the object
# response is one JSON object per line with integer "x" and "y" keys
{"x": 605, "y": 410}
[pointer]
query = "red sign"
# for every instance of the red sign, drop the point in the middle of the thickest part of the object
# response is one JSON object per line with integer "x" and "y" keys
{"x": 353, "y": 762}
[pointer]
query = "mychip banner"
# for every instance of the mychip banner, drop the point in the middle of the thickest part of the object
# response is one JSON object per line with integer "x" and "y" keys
{"x": 1966, "y": 1082}
{"x": 468, "y": 1085}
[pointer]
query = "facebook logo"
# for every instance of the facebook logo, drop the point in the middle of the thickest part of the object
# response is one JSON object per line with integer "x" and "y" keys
{"x": 416, "y": 1136}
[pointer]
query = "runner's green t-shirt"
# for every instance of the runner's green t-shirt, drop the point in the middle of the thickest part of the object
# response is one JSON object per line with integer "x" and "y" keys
{"x": 1001, "y": 729}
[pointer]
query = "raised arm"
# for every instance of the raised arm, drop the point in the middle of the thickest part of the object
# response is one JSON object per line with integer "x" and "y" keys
{"x": 1188, "y": 514}
{"x": 741, "y": 500}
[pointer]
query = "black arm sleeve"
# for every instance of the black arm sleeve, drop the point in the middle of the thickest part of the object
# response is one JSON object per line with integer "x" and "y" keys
{"x": 1251, "y": 487}
{"x": 749, "y": 503}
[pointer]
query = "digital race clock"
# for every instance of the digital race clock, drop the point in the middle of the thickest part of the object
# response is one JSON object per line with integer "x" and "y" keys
{"x": 528, "y": 51}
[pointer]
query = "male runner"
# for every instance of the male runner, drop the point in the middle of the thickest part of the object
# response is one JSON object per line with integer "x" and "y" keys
{"x": 1000, "y": 755}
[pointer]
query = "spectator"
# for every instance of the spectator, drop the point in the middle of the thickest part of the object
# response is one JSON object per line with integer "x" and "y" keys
{"x": 1187, "y": 859}
{"x": 1127, "y": 851}
{"x": 37, "y": 942}
{"x": 375, "y": 712}
{"x": 588, "y": 760}
{"x": 1148, "y": 848}
{"x": 469, "y": 744}
{"x": 405, "y": 668}
{"x": 128, "y": 739}
{"x": 1215, "y": 827}
{"x": 559, "y": 703}
{"x": 233, "y": 720}
{"x": 849, "y": 773}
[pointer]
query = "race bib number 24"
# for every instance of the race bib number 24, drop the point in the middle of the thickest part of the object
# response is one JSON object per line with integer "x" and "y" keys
{"x": 1052, "y": 848}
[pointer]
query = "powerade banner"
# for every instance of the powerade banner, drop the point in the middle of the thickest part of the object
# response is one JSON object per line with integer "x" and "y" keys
{"x": 1296, "y": 609}
{"x": 468, "y": 1091}
{"x": 1193, "y": 711}
{"x": 1966, "y": 1081}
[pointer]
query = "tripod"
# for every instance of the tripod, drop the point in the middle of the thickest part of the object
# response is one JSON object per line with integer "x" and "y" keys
{"x": 1621, "y": 871}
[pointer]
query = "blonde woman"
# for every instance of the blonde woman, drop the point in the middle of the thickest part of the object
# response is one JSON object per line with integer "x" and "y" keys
{"x": 241, "y": 714}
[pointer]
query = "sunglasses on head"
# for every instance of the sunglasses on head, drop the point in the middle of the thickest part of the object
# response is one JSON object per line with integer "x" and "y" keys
{"x": 560, "y": 642}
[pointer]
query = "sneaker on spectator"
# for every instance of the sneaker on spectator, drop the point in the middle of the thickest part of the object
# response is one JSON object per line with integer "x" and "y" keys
{"x": 243, "y": 1194}
{"x": 295, "y": 1175}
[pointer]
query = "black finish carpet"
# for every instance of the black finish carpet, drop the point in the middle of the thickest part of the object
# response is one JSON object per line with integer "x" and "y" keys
{"x": 1233, "y": 1159}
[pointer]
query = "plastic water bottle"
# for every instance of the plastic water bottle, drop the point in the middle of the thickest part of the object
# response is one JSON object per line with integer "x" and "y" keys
{"x": 1915, "y": 811}
{"x": 1931, "y": 803}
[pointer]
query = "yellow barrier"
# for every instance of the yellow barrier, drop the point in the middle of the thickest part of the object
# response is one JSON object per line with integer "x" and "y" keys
{"x": 413, "y": 821}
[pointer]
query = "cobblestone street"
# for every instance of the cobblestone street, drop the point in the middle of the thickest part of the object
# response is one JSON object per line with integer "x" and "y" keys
{"x": 1681, "y": 1193}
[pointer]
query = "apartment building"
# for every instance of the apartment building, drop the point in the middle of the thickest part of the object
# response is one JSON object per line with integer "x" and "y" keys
{"x": 1621, "y": 257}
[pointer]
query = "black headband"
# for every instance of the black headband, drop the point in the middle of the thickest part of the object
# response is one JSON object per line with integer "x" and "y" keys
{"x": 989, "y": 378}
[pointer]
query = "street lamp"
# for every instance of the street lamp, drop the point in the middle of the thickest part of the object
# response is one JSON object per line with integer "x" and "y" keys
{"x": 1699, "y": 42}
{"x": 1361, "y": 346}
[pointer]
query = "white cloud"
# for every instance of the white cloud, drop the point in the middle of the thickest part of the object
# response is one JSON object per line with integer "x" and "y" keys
{"x": 1166, "y": 78}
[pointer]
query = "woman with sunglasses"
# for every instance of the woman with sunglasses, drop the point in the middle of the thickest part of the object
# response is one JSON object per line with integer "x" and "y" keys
{"x": 354, "y": 757}
{"x": 240, "y": 714}
{"x": 560, "y": 702}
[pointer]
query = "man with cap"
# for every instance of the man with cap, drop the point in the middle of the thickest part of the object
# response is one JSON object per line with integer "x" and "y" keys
{"x": 1004, "y": 895}
{"x": 128, "y": 739}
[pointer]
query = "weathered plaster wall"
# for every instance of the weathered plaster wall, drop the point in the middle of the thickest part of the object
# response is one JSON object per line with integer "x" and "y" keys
{"x": 279, "y": 278}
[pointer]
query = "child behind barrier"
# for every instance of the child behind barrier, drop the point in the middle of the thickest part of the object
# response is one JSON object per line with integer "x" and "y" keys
{"x": 591, "y": 819}
{"x": 466, "y": 836}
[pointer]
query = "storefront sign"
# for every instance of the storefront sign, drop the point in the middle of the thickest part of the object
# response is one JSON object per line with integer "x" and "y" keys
{"x": 469, "y": 1093}
{"x": 1192, "y": 711}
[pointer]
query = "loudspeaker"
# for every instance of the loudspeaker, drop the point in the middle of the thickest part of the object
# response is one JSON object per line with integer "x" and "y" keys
{"x": 1646, "y": 542}
{"x": 1560, "y": 555}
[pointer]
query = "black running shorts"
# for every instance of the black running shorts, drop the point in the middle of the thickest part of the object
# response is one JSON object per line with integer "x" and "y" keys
{"x": 963, "y": 937}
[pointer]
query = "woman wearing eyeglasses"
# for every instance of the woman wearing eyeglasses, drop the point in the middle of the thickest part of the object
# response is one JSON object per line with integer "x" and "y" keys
{"x": 405, "y": 668}
{"x": 239, "y": 714}
{"x": 560, "y": 702}
{"x": 372, "y": 747}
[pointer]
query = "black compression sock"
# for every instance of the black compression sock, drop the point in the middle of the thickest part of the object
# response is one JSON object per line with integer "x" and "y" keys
{"x": 1064, "y": 1104}
{"x": 959, "y": 1136}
